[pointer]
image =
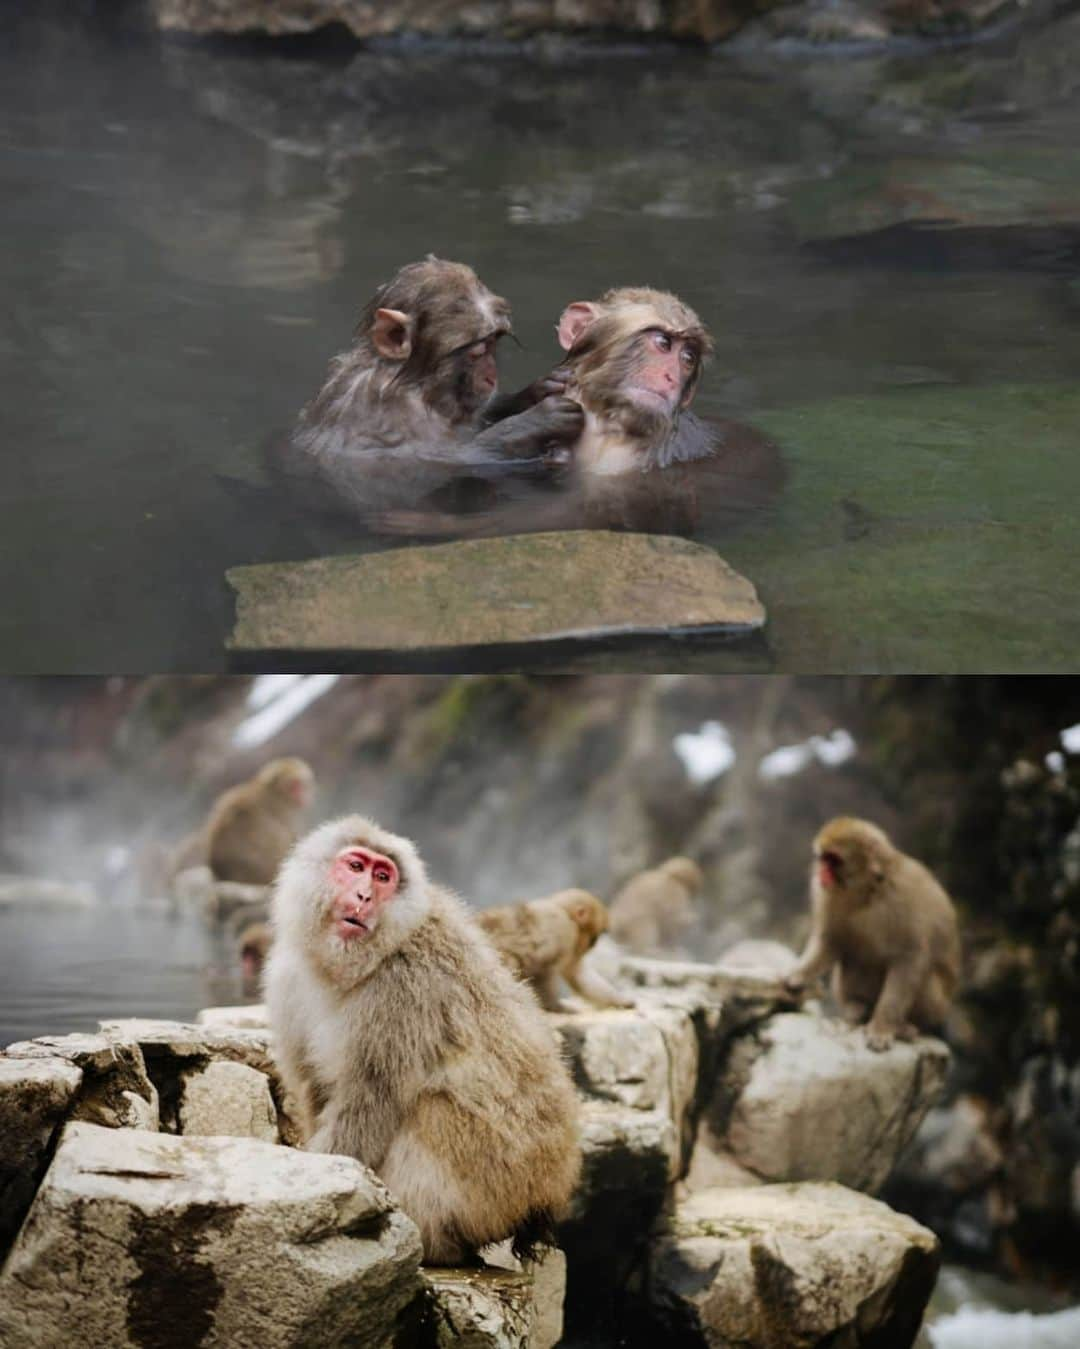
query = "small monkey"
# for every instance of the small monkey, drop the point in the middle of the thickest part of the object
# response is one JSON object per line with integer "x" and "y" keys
{"x": 253, "y": 944}
{"x": 643, "y": 461}
{"x": 654, "y": 910}
{"x": 886, "y": 929}
{"x": 542, "y": 939}
{"x": 252, "y": 826}
{"x": 410, "y": 1046}
{"x": 401, "y": 416}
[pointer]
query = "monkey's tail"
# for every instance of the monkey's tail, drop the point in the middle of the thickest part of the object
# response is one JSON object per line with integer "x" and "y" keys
{"x": 536, "y": 1229}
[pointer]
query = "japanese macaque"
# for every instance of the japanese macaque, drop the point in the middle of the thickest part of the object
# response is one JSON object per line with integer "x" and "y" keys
{"x": 409, "y": 1045}
{"x": 885, "y": 928}
{"x": 253, "y": 944}
{"x": 654, "y": 910}
{"x": 400, "y": 418}
{"x": 252, "y": 826}
{"x": 543, "y": 939}
{"x": 643, "y": 461}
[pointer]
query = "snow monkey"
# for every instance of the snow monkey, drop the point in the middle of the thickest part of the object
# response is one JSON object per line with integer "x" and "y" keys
{"x": 885, "y": 928}
{"x": 542, "y": 939}
{"x": 249, "y": 829}
{"x": 400, "y": 416}
{"x": 410, "y": 1046}
{"x": 654, "y": 910}
{"x": 252, "y": 826}
{"x": 643, "y": 461}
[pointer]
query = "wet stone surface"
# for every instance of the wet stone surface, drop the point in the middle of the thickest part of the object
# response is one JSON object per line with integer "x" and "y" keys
{"x": 577, "y": 588}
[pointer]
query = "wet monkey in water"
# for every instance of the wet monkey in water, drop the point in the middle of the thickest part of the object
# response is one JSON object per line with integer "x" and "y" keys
{"x": 400, "y": 419}
{"x": 634, "y": 360}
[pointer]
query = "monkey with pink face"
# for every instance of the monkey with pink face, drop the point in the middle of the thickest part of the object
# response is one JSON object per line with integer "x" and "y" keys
{"x": 410, "y": 1046}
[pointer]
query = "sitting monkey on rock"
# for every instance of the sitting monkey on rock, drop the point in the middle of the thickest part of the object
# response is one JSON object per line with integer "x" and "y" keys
{"x": 885, "y": 928}
{"x": 409, "y": 1045}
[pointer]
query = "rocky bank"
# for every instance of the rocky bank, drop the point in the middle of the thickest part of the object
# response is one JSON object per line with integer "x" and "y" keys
{"x": 151, "y": 1193}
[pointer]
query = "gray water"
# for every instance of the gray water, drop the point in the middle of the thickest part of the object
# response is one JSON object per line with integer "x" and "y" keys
{"x": 191, "y": 228}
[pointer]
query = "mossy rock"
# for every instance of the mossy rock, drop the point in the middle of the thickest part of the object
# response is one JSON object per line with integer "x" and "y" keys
{"x": 562, "y": 590}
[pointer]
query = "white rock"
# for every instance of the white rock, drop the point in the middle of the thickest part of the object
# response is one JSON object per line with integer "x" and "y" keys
{"x": 253, "y": 1017}
{"x": 35, "y": 1095}
{"x": 499, "y": 1308}
{"x": 766, "y": 959}
{"x": 139, "y": 1238}
{"x": 228, "y": 1098}
{"x": 804, "y": 1098}
{"x": 790, "y": 1267}
{"x": 116, "y": 1090}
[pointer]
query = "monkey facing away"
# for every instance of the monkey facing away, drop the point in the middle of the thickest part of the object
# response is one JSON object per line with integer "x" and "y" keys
{"x": 543, "y": 939}
{"x": 249, "y": 829}
{"x": 252, "y": 826}
{"x": 885, "y": 928}
{"x": 400, "y": 418}
{"x": 643, "y": 460}
{"x": 654, "y": 910}
{"x": 411, "y": 1046}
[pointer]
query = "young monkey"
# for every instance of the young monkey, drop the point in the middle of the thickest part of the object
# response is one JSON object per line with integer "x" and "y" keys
{"x": 885, "y": 928}
{"x": 542, "y": 939}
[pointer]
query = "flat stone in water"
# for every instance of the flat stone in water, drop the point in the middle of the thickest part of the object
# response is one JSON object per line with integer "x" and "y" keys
{"x": 580, "y": 586}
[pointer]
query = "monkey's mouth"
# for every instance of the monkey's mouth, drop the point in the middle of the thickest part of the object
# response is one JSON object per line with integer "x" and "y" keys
{"x": 349, "y": 927}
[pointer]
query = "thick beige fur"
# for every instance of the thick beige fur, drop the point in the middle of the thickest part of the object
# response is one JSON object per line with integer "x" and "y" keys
{"x": 418, "y": 1052}
{"x": 545, "y": 939}
{"x": 654, "y": 910}
{"x": 887, "y": 931}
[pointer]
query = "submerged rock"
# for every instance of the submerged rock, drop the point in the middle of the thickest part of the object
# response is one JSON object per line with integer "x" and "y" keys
{"x": 804, "y": 1098}
{"x": 138, "y": 1239}
{"x": 790, "y": 1267}
{"x": 577, "y": 587}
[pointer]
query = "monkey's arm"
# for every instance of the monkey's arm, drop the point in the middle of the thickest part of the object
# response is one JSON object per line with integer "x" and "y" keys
{"x": 532, "y": 433}
{"x": 890, "y": 1017}
{"x": 510, "y": 404}
{"x": 813, "y": 963}
{"x": 593, "y": 987}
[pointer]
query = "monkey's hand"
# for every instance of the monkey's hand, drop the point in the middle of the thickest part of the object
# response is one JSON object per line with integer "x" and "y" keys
{"x": 509, "y": 405}
{"x": 541, "y": 434}
{"x": 879, "y": 1040}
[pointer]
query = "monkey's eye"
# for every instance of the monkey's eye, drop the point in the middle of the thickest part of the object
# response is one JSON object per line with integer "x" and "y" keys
{"x": 356, "y": 864}
{"x": 479, "y": 349}
{"x": 661, "y": 341}
{"x": 381, "y": 874}
{"x": 688, "y": 356}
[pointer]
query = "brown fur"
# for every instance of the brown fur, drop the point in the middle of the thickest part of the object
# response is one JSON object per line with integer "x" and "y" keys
{"x": 543, "y": 939}
{"x": 418, "y": 1052}
{"x": 253, "y": 944}
{"x": 385, "y": 431}
{"x": 654, "y": 910}
{"x": 252, "y": 826}
{"x": 632, "y": 467}
{"x": 887, "y": 931}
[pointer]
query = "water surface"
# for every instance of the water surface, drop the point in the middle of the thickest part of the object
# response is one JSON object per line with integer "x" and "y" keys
{"x": 192, "y": 227}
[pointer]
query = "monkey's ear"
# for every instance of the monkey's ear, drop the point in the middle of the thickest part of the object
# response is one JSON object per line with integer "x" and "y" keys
{"x": 576, "y": 319}
{"x": 392, "y": 334}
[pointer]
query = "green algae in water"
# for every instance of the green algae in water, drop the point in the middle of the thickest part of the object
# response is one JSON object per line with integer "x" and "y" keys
{"x": 926, "y": 530}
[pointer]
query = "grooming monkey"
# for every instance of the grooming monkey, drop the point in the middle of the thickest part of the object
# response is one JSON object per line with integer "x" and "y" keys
{"x": 654, "y": 910}
{"x": 543, "y": 939}
{"x": 410, "y": 1046}
{"x": 886, "y": 929}
{"x": 399, "y": 419}
{"x": 643, "y": 460}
